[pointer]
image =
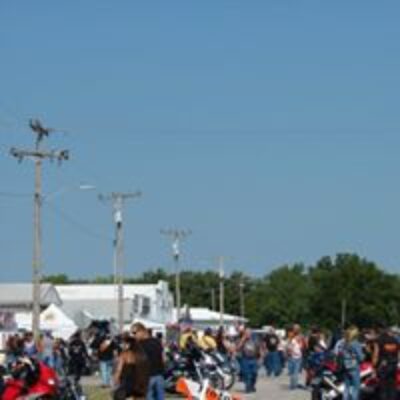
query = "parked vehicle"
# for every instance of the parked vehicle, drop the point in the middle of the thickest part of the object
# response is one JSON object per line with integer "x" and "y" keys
{"x": 198, "y": 365}
{"x": 30, "y": 379}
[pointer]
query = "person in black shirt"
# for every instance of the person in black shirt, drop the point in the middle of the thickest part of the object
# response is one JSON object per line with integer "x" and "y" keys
{"x": 385, "y": 359}
{"x": 272, "y": 360}
{"x": 77, "y": 356}
{"x": 106, "y": 353}
{"x": 154, "y": 352}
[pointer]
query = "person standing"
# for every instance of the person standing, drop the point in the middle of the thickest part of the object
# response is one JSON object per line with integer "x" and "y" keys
{"x": 106, "y": 354}
{"x": 154, "y": 352}
{"x": 131, "y": 376}
{"x": 272, "y": 360}
{"x": 30, "y": 346}
{"x": 350, "y": 358}
{"x": 77, "y": 356}
{"x": 294, "y": 350}
{"x": 249, "y": 353}
{"x": 46, "y": 349}
{"x": 385, "y": 359}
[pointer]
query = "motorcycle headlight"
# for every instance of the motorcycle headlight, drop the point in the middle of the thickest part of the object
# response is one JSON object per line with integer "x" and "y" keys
{"x": 51, "y": 382}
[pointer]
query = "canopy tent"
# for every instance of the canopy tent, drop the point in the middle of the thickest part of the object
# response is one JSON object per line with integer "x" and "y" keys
{"x": 52, "y": 319}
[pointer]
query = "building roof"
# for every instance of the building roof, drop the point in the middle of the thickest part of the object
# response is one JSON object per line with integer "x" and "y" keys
{"x": 203, "y": 314}
{"x": 20, "y": 295}
{"x": 106, "y": 291}
{"x": 95, "y": 309}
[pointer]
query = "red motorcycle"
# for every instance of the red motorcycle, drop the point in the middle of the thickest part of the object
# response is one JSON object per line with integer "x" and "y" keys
{"x": 30, "y": 379}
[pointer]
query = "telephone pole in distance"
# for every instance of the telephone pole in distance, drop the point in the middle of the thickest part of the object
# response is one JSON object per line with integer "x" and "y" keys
{"x": 117, "y": 200}
{"x": 177, "y": 235}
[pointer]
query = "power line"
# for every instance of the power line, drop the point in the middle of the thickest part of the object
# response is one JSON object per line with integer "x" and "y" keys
{"x": 73, "y": 222}
{"x": 12, "y": 194}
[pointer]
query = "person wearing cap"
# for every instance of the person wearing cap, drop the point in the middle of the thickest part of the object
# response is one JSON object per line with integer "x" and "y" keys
{"x": 385, "y": 359}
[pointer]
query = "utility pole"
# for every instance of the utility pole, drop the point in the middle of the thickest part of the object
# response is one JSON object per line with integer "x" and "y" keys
{"x": 213, "y": 305}
{"x": 221, "y": 272}
{"x": 177, "y": 235}
{"x": 241, "y": 293}
{"x": 38, "y": 155}
{"x": 118, "y": 199}
{"x": 221, "y": 262}
{"x": 343, "y": 313}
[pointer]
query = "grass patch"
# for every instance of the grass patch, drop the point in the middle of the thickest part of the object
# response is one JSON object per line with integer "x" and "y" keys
{"x": 96, "y": 393}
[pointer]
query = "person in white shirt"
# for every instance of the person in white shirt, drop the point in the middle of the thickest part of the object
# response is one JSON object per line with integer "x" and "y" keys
{"x": 294, "y": 351}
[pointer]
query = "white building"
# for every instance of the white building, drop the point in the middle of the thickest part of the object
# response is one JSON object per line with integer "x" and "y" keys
{"x": 203, "y": 318}
{"x": 150, "y": 303}
{"x": 16, "y": 302}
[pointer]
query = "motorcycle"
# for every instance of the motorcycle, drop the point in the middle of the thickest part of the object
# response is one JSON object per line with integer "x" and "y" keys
{"x": 198, "y": 365}
{"x": 30, "y": 379}
{"x": 70, "y": 389}
{"x": 216, "y": 364}
{"x": 328, "y": 384}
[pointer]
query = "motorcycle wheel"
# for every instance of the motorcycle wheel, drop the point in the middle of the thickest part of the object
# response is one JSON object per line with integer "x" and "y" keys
{"x": 228, "y": 378}
{"x": 316, "y": 394}
{"x": 217, "y": 381}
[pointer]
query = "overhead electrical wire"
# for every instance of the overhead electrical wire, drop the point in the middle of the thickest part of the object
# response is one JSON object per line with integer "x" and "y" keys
{"x": 76, "y": 224}
{"x": 12, "y": 194}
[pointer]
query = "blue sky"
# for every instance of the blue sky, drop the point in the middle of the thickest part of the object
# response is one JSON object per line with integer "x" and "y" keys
{"x": 271, "y": 129}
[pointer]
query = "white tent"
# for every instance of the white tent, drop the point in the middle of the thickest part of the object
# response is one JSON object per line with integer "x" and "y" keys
{"x": 51, "y": 319}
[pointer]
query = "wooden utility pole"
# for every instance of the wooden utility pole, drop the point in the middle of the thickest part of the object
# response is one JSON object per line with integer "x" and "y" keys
{"x": 241, "y": 293}
{"x": 177, "y": 235}
{"x": 213, "y": 305}
{"x": 221, "y": 262}
{"x": 117, "y": 199}
{"x": 37, "y": 155}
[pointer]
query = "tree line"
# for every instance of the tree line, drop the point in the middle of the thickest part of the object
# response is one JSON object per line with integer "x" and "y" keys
{"x": 345, "y": 288}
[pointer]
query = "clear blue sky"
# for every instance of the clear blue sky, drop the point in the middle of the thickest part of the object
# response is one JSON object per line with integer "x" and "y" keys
{"x": 270, "y": 128}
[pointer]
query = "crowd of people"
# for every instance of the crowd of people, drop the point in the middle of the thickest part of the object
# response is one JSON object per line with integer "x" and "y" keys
{"x": 350, "y": 347}
{"x": 132, "y": 364}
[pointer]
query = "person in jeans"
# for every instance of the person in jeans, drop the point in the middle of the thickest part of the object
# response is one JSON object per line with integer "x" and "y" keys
{"x": 272, "y": 360}
{"x": 385, "y": 359}
{"x": 106, "y": 353}
{"x": 250, "y": 352}
{"x": 350, "y": 358}
{"x": 294, "y": 351}
{"x": 152, "y": 347}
